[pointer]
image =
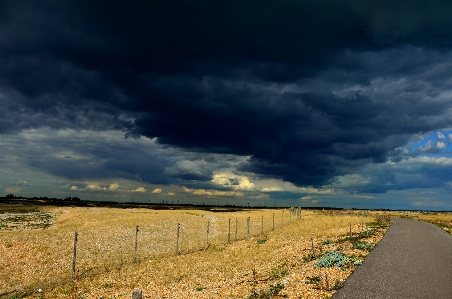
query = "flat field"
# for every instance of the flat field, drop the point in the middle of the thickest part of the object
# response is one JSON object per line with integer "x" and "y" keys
{"x": 254, "y": 253}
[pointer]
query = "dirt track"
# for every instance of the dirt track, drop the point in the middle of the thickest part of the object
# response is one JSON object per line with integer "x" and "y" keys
{"x": 413, "y": 260}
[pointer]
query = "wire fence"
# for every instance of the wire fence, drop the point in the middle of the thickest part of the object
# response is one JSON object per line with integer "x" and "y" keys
{"x": 109, "y": 248}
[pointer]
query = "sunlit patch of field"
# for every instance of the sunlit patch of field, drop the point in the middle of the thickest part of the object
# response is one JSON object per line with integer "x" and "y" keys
{"x": 206, "y": 266}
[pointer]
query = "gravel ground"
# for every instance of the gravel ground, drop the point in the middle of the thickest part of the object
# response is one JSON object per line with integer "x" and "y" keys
{"x": 414, "y": 260}
{"x": 276, "y": 264}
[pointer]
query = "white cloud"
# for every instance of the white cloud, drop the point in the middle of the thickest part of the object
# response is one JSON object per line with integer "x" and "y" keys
{"x": 113, "y": 187}
{"x": 93, "y": 187}
{"x": 272, "y": 189}
{"x": 170, "y": 194}
{"x": 441, "y": 135}
{"x": 74, "y": 187}
{"x": 157, "y": 191}
{"x": 260, "y": 196}
{"x": 310, "y": 198}
{"x": 236, "y": 182}
{"x": 139, "y": 189}
{"x": 23, "y": 183}
{"x": 13, "y": 190}
{"x": 203, "y": 192}
{"x": 440, "y": 145}
{"x": 430, "y": 160}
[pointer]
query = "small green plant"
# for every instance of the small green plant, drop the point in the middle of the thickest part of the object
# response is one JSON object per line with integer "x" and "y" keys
{"x": 310, "y": 257}
{"x": 261, "y": 241}
{"x": 364, "y": 246}
{"x": 327, "y": 242}
{"x": 279, "y": 271}
{"x": 356, "y": 260}
{"x": 68, "y": 289}
{"x": 271, "y": 292}
{"x": 337, "y": 285}
{"x": 218, "y": 248}
{"x": 313, "y": 280}
{"x": 331, "y": 259}
{"x": 366, "y": 234}
{"x": 200, "y": 288}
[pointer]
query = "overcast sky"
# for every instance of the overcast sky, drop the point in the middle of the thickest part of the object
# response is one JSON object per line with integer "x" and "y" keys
{"x": 288, "y": 103}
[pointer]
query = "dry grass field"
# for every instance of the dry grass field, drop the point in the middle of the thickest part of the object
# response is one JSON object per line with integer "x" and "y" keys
{"x": 36, "y": 252}
{"x": 442, "y": 220}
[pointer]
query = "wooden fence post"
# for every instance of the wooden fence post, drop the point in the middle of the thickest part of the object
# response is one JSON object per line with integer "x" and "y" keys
{"x": 248, "y": 228}
{"x": 273, "y": 221}
{"x": 136, "y": 245}
{"x": 229, "y": 230}
{"x": 207, "y": 234}
{"x": 236, "y": 227}
{"x": 350, "y": 230}
{"x": 74, "y": 257}
{"x": 283, "y": 218}
{"x": 262, "y": 226}
{"x": 177, "y": 239}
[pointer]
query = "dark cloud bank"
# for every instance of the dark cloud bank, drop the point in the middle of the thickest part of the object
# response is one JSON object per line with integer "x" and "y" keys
{"x": 309, "y": 89}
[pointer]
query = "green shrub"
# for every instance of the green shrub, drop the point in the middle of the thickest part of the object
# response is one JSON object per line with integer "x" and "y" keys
{"x": 273, "y": 291}
{"x": 331, "y": 259}
{"x": 279, "y": 272}
{"x": 364, "y": 246}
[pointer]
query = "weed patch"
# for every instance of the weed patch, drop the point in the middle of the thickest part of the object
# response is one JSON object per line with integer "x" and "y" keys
{"x": 279, "y": 271}
{"x": 364, "y": 246}
{"x": 269, "y": 293}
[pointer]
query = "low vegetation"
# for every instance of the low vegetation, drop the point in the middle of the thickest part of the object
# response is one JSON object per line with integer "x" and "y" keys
{"x": 276, "y": 264}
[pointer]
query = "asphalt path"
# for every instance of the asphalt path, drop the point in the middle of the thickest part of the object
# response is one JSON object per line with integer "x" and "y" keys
{"x": 413, "y": 260}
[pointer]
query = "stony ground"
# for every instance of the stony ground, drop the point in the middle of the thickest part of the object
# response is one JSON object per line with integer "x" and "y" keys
{"x": 277, "y": 264}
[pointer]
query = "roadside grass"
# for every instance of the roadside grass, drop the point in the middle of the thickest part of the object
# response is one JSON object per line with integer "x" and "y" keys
{"x": 271, "y": 264}
{"x": 441, "y": 219}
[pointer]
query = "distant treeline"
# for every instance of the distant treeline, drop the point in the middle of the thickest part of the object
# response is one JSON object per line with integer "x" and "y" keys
{"x": 11, "y": 196}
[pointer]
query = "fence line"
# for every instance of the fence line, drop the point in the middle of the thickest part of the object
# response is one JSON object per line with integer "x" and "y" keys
{"x": 185, "y": 240}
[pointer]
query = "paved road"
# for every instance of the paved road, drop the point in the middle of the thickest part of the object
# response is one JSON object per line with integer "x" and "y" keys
{"x": 413, "y": 260}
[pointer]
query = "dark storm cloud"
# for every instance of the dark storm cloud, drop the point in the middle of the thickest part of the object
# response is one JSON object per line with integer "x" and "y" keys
{"x": 273, "y": 80}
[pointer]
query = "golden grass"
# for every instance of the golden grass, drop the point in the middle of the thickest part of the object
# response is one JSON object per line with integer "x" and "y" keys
{"x": 42, "y": 259}
{"x": 441, "y": 219}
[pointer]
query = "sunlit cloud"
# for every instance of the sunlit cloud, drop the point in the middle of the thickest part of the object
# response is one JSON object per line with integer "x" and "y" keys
{"x": 203, "y": 192}
{"x": 157, "y": 191}
{"x": 140, "y": 190}
{"x": 233, "y": 181}
{"x": 13, "y": 190}
{"x": 93, "y": 187}
{"x": 272, "y": 189}
{"x": 113, "y": 187}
